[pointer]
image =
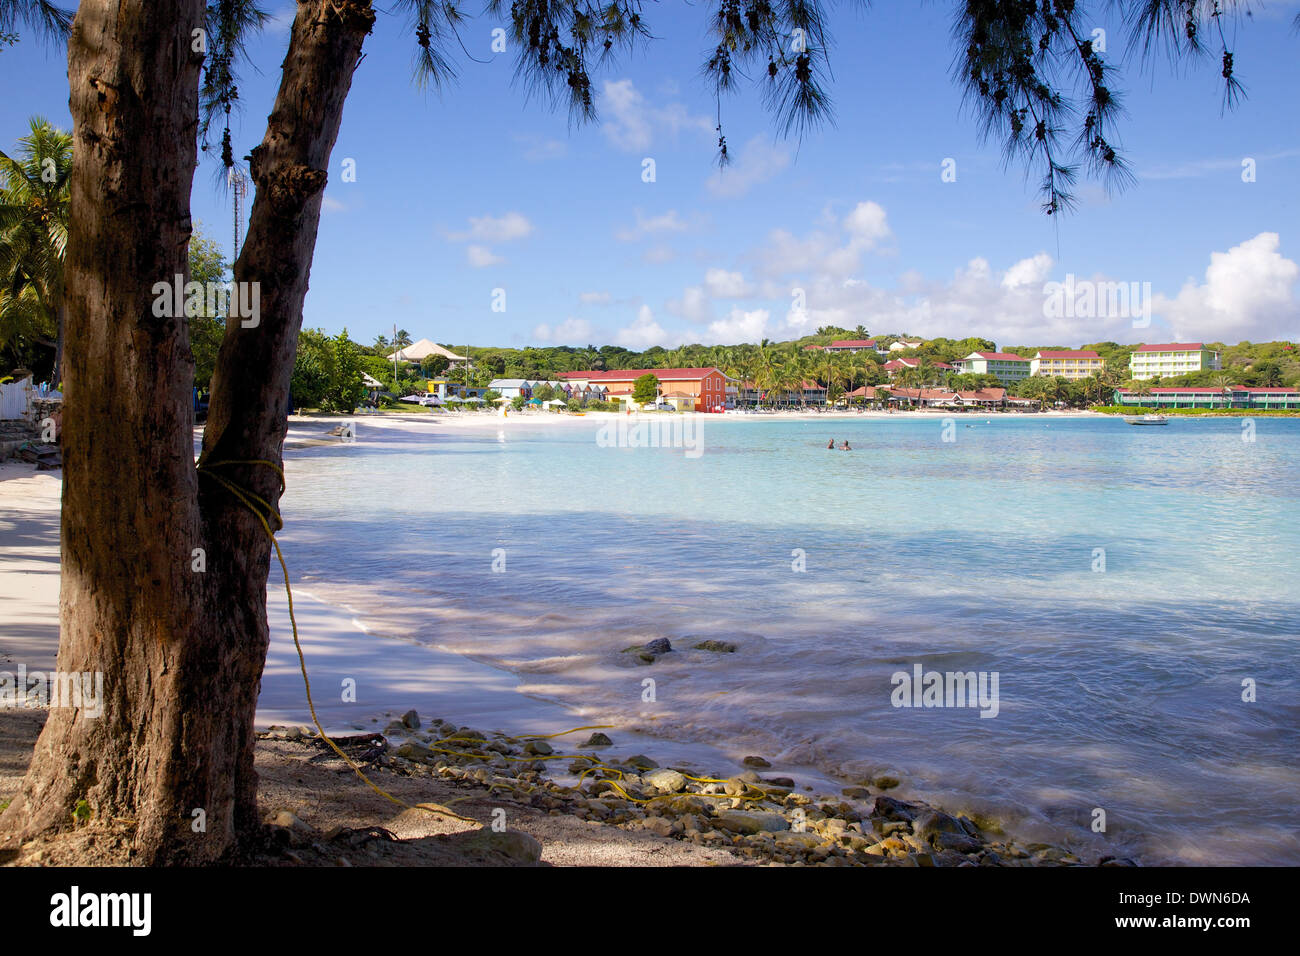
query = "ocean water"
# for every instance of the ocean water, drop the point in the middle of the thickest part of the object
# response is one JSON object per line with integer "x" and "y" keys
{"x": 1121, "y": 582}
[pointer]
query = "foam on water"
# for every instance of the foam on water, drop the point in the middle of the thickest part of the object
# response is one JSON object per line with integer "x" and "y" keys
{"x": 1118, "y": 689}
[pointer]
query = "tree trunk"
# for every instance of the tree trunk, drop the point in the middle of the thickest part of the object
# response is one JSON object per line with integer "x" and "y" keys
{"x": 129, "y": 606}
{"x": 181, "y": 650}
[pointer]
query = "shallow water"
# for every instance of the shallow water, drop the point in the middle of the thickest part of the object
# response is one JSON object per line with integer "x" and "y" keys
{"x": 1119, "y": 689}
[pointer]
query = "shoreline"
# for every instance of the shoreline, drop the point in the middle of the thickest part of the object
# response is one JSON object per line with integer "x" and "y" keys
{"x": 407, "y": 675}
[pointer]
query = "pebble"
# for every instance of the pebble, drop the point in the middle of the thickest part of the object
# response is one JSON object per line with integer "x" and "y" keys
{"x": 670, "y": 781}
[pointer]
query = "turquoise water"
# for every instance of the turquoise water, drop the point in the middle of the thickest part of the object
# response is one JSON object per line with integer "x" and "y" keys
{"x": 1119, "y": 689}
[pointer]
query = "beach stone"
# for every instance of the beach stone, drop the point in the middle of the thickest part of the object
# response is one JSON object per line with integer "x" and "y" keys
{"x": 735, "y": 787}
{"x": 933, "y": 822}
{"x": 718, "y": 647}
{"x": 856, "y": 793}
{"x": 959, "y": 842}
{"x": 669, "y": 781}
{"x": 885, "y": 782}
{"x": 414, "y": 750}
{"x": 660, "y": 645}
{"x": 291, "y": 821}
{"x": 789, "y": 838}
{"x": 661, "y": 826}
{"x": 750, "y": 821}
{"x": 786, "y": 782}
{"x": 538, "y": 748}
{"x": 411, "y": 720}
{"x": 394, "y": 727}
{"x": 892, "y": 809}
{"x": 641, "y": 761}
{"x": 597, "y": 740}
{"x": 756, "y": 762}
{"x": 517, "y": 846}
{"x": 685, "y": 805}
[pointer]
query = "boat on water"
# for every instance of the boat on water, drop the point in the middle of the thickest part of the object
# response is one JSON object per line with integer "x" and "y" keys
{"x": 1148, "y": 420}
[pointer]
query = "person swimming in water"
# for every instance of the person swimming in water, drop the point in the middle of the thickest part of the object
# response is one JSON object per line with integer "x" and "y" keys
{"x": 831, "y": 443}
{"x": 845, "y": 446}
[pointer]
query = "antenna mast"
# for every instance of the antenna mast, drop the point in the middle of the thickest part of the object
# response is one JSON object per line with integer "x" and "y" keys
{"x": 238, "y": 183}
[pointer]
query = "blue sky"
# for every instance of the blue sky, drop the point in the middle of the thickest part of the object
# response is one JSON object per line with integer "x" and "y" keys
{"x": 480, "y": 189}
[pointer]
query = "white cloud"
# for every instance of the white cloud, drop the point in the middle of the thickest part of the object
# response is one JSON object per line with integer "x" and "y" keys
{"x": 512, "y": 225}
{"x": 737, "y": 327}
{"x": 481, "y": 257}
{"x": 834, "y": 250}
{"x": 867, "y": 224}
{"x": 668, "y": 222}
{"x": 570, "y": 331}
{"x": 658, "y": 255}
{"x": 595, "y": 298}
{"x": 1028, "y": 271}
{"x": 330, "y": 204}
{"x": 692, "y": 306}
{"x": 758, "y": 162}
{"x": 643, "y": 333}
{"x": 630, "y": 122}
{"x": 722, "y": 284}
{"x": 1248, "y": 294}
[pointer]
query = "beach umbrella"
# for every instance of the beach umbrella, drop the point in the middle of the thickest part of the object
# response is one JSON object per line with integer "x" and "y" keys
{"x": 472, "y": 401}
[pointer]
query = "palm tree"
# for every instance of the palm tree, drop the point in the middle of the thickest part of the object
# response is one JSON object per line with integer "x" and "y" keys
{"x": 34, "y": 194}
{"x": 1224, "y": 382}
{"x": 401, "y": 339}
{"x": 766, "y": 367}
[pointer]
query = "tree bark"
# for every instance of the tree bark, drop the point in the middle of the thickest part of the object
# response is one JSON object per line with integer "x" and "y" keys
{"x": 129, "y": 607}
{"x": 181, "y": 650}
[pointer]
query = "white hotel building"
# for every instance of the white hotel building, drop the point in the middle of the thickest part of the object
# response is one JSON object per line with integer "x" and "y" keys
{"x": 1175, "y": 358}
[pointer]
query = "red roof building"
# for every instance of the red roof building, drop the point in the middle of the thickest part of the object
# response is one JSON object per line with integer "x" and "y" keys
{"x": 707, "y": 385}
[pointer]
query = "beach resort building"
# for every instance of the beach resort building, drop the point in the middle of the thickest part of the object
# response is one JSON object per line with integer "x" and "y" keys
{"x": 1261, "y": 399}
{"x": 1174, "y": 358}
{"x": 1007, "y": 367}
{"x": 419, "y": 351}
{"x": 852, "y": 346}
{"x": 947, "y": 398}
{"x": 749, "y": 395}
{"x": 512, "y": 387}
{"x": 894, "y": 366}
{"x": 686, "y": 389}
{"x": 1067, "y": 363}
{"x": 903, "y": 344}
